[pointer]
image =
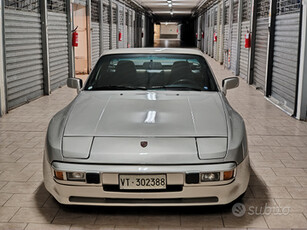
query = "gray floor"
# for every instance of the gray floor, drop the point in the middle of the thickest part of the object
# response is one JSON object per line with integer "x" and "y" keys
{"x": 276, "y": 197}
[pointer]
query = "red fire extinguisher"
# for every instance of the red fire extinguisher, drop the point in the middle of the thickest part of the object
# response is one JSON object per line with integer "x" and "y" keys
{"x": 215, "y": 37}
{"x": 196, "y": 35}
{"x": 247, "y": 40}
{"x": 203, "y": 34}
{"x": 120, "y": 36}
{"x": 75, "y": 37}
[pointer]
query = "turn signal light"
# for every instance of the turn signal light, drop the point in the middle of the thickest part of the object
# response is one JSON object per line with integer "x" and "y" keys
{"x": 228, "y": 175}
{"x": 59, "y": 175}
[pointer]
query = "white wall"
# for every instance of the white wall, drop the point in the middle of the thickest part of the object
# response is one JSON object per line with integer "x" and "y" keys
{"x": 2, "y": 87}
{"x": 169, "y": 29}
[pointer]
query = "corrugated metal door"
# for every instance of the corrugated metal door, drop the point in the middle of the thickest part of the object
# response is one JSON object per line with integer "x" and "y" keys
{"x": 130, "y": 34}
{"x": 121, "y": 26}
{"x": 23, "y": 47}
{"x": 285, "y": 54}
{"x": 132, "y": 29}
{"x": 234, "y": 37}
{"x": 219, "y": 29}
{"x": 215, "y": 31}
{"x": 226, "y": 35}
{"x": 95, "y": 31}
{"x": 198, "y": 32}
{"x": 210, "y": 38}
{"x": 143, "y": 31}
{"x": 245, "y": 27}
{"x": 261, "y": 42}
{"x": 106, "y": 25}
{"x": 203, "y": 32}
{"x": 114, "y": 26}
{"x": 221, "y": 32}
{"x": 58, "y": 48}
{"x": 126, "y": 33}
{"x": 206, "y": 32}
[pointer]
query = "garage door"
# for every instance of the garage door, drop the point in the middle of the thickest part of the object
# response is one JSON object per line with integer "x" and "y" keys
{"x": 143, "y": 31}
{"x": 261, "y": 42}
{"x": 211, "y": 53}
{"x": 130, "y": 34}
{"x": 106, "y": 25}
{"x": 126, "y": 33}
{"x": 58, "y": 43}
{"x": 286, "y": 54}
{"x": 133, "y": 30}
{"x": 234, "y": 37}
{"x": 214, "y": 31}
{"x": 226, "y": 37}
{"x": 220, "y": 32}
{"x": 95, "y": 32}
{"x": 207, "y": 33}
{"x": 245, "y": 27}
{"x": 23, "y": 47}
{"x": 114, "y": 26}
{"x": 121, "y": 26}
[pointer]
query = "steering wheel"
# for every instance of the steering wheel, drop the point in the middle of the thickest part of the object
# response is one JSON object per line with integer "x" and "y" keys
{"x": 184, "y": 81}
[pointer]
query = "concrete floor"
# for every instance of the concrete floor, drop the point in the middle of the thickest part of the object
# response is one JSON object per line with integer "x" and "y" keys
{"x": 276, "y": 197}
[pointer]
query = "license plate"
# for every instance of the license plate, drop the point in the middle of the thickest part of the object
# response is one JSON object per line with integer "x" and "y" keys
{"x": 142, "y": 181}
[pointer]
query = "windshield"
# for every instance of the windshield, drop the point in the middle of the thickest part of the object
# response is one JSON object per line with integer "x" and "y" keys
{"x": 151, "y": 72}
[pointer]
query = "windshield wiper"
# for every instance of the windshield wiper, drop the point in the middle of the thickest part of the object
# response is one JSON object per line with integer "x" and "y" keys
{"x": 176, "y": 87}
{"x": 118, "y": 87}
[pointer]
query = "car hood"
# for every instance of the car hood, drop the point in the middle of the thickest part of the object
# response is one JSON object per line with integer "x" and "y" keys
{"x": 147, "y": 114}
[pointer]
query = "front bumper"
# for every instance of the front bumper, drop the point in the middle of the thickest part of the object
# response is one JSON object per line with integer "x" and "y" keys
{"x": 190, "y": 195}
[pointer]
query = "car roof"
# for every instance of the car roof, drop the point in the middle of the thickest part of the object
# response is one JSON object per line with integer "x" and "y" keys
{"x": 154, "y": 51}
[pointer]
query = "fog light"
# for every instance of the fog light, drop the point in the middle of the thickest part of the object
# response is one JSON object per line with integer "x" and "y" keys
{"x": 76, "y": 176}
{"x": 210, "y": 176}
{"x": 59, "y": 175}
{"x": 228, "y": 175}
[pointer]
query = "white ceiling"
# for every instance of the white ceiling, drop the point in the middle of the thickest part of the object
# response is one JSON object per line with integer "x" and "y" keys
{"x": 161, "y": 8}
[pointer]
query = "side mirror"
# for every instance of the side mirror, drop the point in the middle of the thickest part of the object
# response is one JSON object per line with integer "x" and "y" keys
{"x": 75, "y": 83}
{"x": 229, "y": 83}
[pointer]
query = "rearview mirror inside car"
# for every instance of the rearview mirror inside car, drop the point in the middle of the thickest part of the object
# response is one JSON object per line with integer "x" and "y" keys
{"x": 229, "y": 83}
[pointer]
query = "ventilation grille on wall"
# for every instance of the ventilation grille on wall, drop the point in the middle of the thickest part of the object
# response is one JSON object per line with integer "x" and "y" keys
{"x": 288, "y": 6}
{"x": 24, "y": 5}
{"x": 235, "y": 12}
{"x": 114, "y": 16}
{"x": 121, "y": 17}
{"x": 94, "y": 10}
{"x": 106, "y": 14}
{"x": 246, "y": 10}
{"x": 56, "y": 5}
{"x": 263, "y": 8}
{"x": 227, "y": 15}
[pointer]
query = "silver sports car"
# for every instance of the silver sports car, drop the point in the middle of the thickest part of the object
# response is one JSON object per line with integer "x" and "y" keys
{"x": 150, "y": 127}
